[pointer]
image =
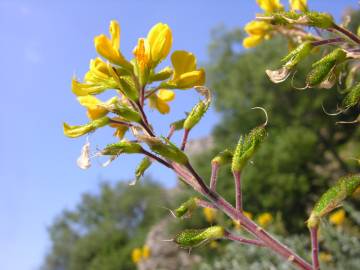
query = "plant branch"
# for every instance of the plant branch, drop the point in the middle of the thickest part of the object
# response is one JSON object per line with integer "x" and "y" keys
{"x": 184, "y": 139}
{"x": 236, "y": 238}
{"x": 203, "y": 203}
{"x": 238, "y": 192}
{"x": 154, "y": 157}
{"x": 346, "y": 33}
{"x": 327, "y": 41}
{"x": 214, "y": 175}
{"x": 315, "y": 247}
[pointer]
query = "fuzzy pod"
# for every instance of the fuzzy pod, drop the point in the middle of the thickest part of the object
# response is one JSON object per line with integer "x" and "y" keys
{"x": 167, "y": 150}
{"x": 127, "y": 113}
{"x": 192, "y": 238}
{"x": 321, "y": 69}
{"x": 352, "y": 98}
{"x": 246, "y": 148}
{"x": 333, "y": 198}
{"x": 319, "y": 19}
{"x": 186, "y": 208}
{"x": 77, "y": 131}
{"x": 224, "y": 157}
{"x": 195, "y": 115}
{"x": 144, "y": 164}
{"x": 298, "y": 54}
{"x": 115, "y": 149}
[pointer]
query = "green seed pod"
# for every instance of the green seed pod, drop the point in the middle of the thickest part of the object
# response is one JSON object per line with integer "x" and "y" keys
{"x": 162, "y": 75}
{"x": 352, "y": 98}
{"x": 224, "y": 157}
{"x": 77, "y": 131}
{"x": 333, "y": 198}
{"x": 192, "y": 238}
{"x": 246, "y": 148}
{"x": 195, "y": 115}
{"x": 140, "y": 169}
{"x": 319, "y": 19}
{"x": 321, "y": 69}
{"x": 169, "y": 150}
{"x": 127, "y": 113}
{"x": 121, "y": 147}
{"x": 186, "y": 208}
{"x": 298, "y": 54}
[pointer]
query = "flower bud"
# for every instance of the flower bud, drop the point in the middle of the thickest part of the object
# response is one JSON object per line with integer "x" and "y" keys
{"x": 160, "y": 40}
{"x": 77, "y": 131}
{"x": 162, "y": 75}
{"x": 224, "y": 157}
{"x": 192, "y": 238}
{"x": 333, "y": 198}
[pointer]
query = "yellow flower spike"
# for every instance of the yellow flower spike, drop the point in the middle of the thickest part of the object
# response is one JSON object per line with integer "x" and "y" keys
{"x": 300, "y": 5}
{"x": 146, "y": 252}
{"x": 160, "y": 41}
{"x": 270, "y": 5}
{"x": 265, "y": 219}
{"x": 209, "y": 214}
{"x": 257, "y": 28}
{"x": 159, "y": 100}
{"x": 338, "y": 217}
{"x": 252, "y": 41}
{"x": 109, "y": 48}
{"x": 136, "y": 255}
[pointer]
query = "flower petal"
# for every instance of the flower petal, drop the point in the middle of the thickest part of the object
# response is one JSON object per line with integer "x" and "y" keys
{"x": 166, "y": 95}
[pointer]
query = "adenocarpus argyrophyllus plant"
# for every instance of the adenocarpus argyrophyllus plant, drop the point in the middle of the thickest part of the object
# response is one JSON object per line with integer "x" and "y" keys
{"x": 137, "y": 83}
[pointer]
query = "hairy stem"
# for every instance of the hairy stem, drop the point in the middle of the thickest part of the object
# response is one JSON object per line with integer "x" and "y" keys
{"x": 214, "y": 175}
{"x": 238, "y": 192}
{"x": 184, "y": 140}
{"x": 315, "y": 247}
{"x": 236, "y": 238}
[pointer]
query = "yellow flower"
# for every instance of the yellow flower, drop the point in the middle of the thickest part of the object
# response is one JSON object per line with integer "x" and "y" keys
{"x": 209, "y": 214}
{"x": 270, "y": 5}
{"x": 300, "y": 5}
{"x": 338, "y": 217}
{"x": 185, "y": 73}
{"x": 109, "y": 48}
{"x": 160, "y": 41}
{"x": 159, "y": 100}
{"x": 120, "y": 129}
{"x": 265, "y": 219}
{"x": 252, "y": 41}
{"x": 136, "y": 255}
{"x": 142, "y": 53}
{"x": 95, "y": 107}
{"x": 257, "y": 28}
{"x": 258, "y": 31}
{"x": 146, "y": 252}
{"x": 325, "y": 257}
{"x": 96, "y": 80}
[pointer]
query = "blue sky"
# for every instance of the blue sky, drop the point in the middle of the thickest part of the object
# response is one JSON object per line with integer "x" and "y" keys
{"x": 43, "y": 44}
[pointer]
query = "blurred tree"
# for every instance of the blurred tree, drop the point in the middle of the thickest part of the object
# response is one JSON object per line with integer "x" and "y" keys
{"x": 104, "y": 228}
{"x": 305, "y": 149}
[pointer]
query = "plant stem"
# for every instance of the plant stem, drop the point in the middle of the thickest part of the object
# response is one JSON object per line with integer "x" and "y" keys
{"x": 238, "y": 192}
{"x": 214, "y": 175}
{"x": 171, "y": 132}
{"x": 154, "y": 157}
{"x": 243, "y": 240}
{"x": 315, "y": 247}
{"x": 347, "y": 33}
{"x": 203, "y": 203}
{"x": 327, "y": 41}
{"x": 184, "y": 140}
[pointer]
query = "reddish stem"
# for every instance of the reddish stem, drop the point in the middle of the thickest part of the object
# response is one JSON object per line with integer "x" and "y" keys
{"x": 327, "y": 41}
{"x": 184, "y": 140}
{"x": 238, "y": 192}
{"x": 203, "y": 203}
{"x": 171, "y": 132}
{"x": 347, "y": 33}
{"x": 243, "y": 240}
{"x": 214, "y": 174}
{"x": 315, "y": 247}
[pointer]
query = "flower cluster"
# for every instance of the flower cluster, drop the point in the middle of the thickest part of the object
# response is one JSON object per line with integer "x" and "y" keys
{"x": 134, "y": 81}
{"x": 262, "y": 30}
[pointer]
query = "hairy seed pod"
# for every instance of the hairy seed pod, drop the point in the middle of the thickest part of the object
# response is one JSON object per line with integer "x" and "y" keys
{"x": 333, "y": 198}
{"x": 121, "y": 147}
{"x": 192, "y": 238}
{"x": 186, "y": 208}
{"x": 352, "y": 98}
